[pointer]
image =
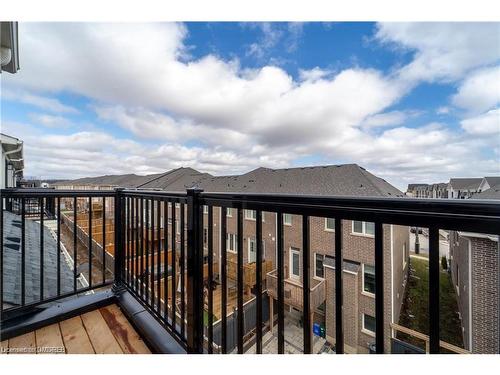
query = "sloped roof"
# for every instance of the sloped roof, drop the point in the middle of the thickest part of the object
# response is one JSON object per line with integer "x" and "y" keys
{"x": 124, "y": 180}
{"x": 465, "y": 183}
{"x": 492, "y": 193}
{"x": 175, "y": 180}
{"x": 12, "y": 262}
{"x": 338, "y": 180}
{"x": 493, "y": 180}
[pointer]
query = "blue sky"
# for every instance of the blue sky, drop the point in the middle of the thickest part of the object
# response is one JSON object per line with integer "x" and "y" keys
{"x": 411, "y": 102}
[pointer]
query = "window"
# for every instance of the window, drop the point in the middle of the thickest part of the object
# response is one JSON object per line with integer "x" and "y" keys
{"x": 229, "y": 212}
{"x": 231, "y": 240}
{"x": 369, "y": 323}
{"x": 287, "y": 219}
{"x": 329, "y": 224}
{"x": 250, "y": 214}
{"x": 368, "y": 279}
{"x": 294, "y": 263}
{"x": 205, "y": 209}
{"x": 363, "y": 227}
{"x": 318, "y": 265}
{"x": 177, "y": 227}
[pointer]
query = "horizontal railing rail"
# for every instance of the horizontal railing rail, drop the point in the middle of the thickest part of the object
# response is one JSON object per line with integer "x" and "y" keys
{"x": 158, "y": 241}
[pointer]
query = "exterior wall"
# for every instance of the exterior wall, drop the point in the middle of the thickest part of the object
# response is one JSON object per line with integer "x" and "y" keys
{"x": 480, "y": 311}
{"x": 459, "y": 255}
{"x": 485, "y": 296}
{"x": 351, "y": 324}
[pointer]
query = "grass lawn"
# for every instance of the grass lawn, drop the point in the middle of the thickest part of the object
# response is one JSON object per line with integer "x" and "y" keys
{"x": 415, "y": 309}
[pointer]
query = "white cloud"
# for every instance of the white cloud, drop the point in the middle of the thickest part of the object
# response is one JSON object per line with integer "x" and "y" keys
{"x": 42, "y": 102}
{"x": 50, "y": 121}
{"x": 485, "y": 124}
{"x": 444, "y": 110}
{"x": 392, "y": 118}
{"x": 139, "y": 77}
{"x": 442, "y": 51}
{"x": 480, "y": 91}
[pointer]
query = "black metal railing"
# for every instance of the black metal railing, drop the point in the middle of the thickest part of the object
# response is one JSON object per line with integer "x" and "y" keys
{"x": 158, "y": 254}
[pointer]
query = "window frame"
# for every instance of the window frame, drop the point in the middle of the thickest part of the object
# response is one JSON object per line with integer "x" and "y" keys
{"x": 363, "y": 291}
{"x": 363, "y": 232}
{"x": 291, "y": 275}
{"x": 363, "y": 326}
{"x": 326, "y": 224}
{"x": 289, "y": 224}
{"x": 315, "y": 266}
{"x": 229, "y": 212}
{"x": 253, "y": 217}
{"x": 235, "y": 242}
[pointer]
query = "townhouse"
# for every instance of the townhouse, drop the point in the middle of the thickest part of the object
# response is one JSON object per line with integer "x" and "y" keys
{"x": 358, "y": 240}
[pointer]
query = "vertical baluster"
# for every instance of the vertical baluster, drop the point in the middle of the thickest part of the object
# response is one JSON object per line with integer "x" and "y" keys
{"x": 174, "y": 252}
{"x": 183, "y": 271}
{"x": 379, "y": 287}
{"x": 434, "y": 345}
{"x": 1, "y": 254}
{"x": 75, "y": 254}
{"x": 339, "y": 288}
{"x": 127, "y": 239}
{"x": 23, "y": 252}
{"x": 258, "y": 235}
{"x": 90, "y": 242}
{"x": 281, "y": 286}
{"x": 146, "y": 275}
{"x": 143, "y": 261}
{"x": 306, "y": 285}
{"x": 103, "y": 240}
{"x": 136, "y": 253}
{"x": 165, "y": 260}
{"x": 158, "y": 265}
{"x": 153, "y": 248}
{"x": 58, "y": 246}
{"x": 223, "y": 245}
{"x": 210, "y": 279}
{"x": 239, "y": 265}
{"x": 41, "y": 250}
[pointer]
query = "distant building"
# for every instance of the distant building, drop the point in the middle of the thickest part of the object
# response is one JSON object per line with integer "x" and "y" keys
{"x": 463, "y": 188}
{"x": 438, "y": 190}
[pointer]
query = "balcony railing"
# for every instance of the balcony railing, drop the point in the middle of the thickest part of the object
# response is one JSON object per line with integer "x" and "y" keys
{"x": 158, "y": 256}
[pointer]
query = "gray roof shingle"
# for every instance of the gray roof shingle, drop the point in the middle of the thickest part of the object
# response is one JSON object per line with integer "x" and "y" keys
{"x": 465, "y": 183}
{"x": 12, "y": 262}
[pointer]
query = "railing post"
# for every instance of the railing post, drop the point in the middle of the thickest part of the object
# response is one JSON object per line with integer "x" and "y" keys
{"x": 194, "y": 272}
{"x": 119, "y": 240}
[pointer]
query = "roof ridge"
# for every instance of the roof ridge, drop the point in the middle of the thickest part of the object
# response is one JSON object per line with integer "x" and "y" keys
{"x": 160, "y": 176}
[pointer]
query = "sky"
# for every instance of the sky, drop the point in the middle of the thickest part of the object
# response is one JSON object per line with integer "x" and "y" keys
{"x": 410, "y": 102}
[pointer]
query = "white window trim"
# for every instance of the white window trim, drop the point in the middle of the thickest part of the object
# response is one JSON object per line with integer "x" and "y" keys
{"x": 363, "y": 234}
{"x": 326, "y": 226}
{"x": 363, "y": 329}
{"x": 247, "y": 217}
{"x": 235, "y": 243}
{"x": 229, "y": 212}
{"x": 291, "y": 275}
{"x": 316, "y": 276}
{"x": 363, "y": 291}
{"x": 205, "y": 209}
{"x": 284, "y": 221}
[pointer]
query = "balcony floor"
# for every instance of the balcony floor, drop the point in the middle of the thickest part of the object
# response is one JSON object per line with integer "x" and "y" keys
{"x": 102, "y": 331}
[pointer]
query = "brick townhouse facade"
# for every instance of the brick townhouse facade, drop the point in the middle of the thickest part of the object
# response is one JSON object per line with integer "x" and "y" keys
{"x": 475, "y": 270}
{"x": 358, "y": 240}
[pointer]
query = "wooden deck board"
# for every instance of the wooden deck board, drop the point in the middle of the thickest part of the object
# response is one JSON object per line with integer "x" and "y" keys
{"x": 104, "y": 331}
{"x": 26, "y": 341}
{"x": 75, "y": 337}
{"x": 127, "y": 337}
{"x": 49, "y": 337}
{"x": 102, "y": 338}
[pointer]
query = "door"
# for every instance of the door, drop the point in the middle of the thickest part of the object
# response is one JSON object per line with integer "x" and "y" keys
{"x": 252, "y": 250}
{"x": 294, "y": 264}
